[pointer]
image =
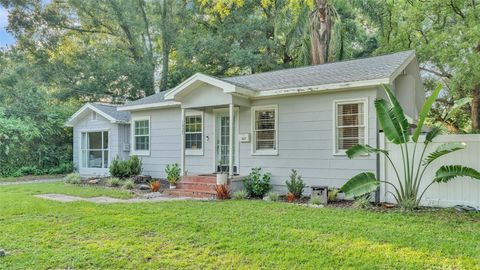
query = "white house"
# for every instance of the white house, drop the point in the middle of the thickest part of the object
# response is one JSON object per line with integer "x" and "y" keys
{"x": 300, "y": 118}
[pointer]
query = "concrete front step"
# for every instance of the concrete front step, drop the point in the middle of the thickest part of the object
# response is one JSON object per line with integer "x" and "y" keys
{"x": 196, "y": 186}
{"x": 193, "y": 193}
{"x": 200, "y": 178}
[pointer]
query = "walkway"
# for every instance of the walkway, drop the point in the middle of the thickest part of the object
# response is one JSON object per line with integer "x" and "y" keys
{"x": 157, "y": 197}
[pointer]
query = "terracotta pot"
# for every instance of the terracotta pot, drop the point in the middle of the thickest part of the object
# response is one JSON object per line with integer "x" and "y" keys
{"x": 155, "y": 186}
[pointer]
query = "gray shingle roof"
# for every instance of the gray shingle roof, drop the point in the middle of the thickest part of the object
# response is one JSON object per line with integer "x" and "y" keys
{"x": 111, "y": 110}
{"x": 370, "y": 68}
{"x": 155, "y": 98}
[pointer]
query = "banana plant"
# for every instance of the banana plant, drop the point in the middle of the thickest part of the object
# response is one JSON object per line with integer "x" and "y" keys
{"x": 396, "y": 129}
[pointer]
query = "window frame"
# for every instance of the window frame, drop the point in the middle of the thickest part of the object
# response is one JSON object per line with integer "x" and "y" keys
{"x": 264, "y": 152}
{"x": 87, "y": 149}
{"x": 364, "y": 101}
{"x": 134, "y": 151}
{"x": 193, "y": 152}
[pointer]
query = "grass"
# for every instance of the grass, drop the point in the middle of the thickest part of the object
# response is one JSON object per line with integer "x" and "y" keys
{"x": 30, "y": 177}
{"x": 42, "y": 234}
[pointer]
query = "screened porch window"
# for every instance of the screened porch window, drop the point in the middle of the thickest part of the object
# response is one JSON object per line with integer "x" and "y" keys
{"x": 94, "y": 147}
{"x": 350, "y": 124}
{"x": 193, "y": 134}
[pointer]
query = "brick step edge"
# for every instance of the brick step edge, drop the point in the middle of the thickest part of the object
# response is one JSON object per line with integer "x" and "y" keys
{"x": 196, "y": 186}
{"x": 191, "y": 193}
{"x": 200, "y": 179}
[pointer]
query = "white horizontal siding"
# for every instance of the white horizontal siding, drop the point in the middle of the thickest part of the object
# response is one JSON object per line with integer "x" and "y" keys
{"x": 305, "y": 140}
{"x": 164, "y": 140}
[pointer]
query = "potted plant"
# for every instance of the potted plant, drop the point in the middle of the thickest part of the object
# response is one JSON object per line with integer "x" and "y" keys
{"x": 173, "y": 174}
{"x": 222, "y": 176}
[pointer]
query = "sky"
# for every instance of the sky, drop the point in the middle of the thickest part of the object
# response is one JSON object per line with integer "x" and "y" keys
{"x": 5, "y": 37}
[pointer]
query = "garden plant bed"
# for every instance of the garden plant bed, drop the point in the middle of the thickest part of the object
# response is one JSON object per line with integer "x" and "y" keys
{"x": 138, "y": 188}
{"x": 30, "y": 178}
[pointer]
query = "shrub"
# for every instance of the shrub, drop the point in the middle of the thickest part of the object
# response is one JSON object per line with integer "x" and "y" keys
{"x": 173, "y": 173}
{"x": 332, "y": 194}
{"x": 408, "y": 205}
{"x": 272, "y": 196}
{"x": 240, "y": 195}
{"x": 155, "y": 186}
{"x": 114, "y": 182}
{"x": 315, "y": 200}
{"x": 295, "y": 185}
{"x": 28, "y": 170}
{"x": 66, "y": 167}
{"x": 223, "y": 192}
{"x": 134, "y": 165}
{"x": 128, "y": 184}
{"x": 257, "y": 184}
{"x": 362, "y": 202}
{"x": 73, "y": 178}
{"x": 125, "y": 168}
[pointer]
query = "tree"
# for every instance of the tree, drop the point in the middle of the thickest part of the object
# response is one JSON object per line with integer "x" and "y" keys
{"x": 446, "y": 38}
{"x": 395, "y": 126}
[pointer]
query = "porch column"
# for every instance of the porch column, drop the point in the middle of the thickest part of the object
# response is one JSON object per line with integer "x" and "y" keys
{"x": 182, "y": 144}
{"x": 230, "y": 138}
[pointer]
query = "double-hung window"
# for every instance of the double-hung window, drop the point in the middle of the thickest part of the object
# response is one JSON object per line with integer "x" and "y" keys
{"x": 350, "y": 124}
{"x": 94, "y": 147}
{"x": 194, "y": 133}
{"x": 265, "y": 130}
{"x": 141, "y": 136}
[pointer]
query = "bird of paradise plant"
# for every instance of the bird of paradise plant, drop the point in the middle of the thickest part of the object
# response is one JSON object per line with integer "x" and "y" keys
{"x": 396, "y": 129}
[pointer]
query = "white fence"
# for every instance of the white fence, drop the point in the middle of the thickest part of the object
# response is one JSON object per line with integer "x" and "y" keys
{"x": 464, "y": 191}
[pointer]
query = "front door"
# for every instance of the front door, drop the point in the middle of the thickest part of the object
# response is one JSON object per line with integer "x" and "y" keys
{"x": 222, "y": 141}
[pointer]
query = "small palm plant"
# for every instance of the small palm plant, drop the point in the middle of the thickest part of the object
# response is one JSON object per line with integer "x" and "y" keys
{"x": 396, "y": 129}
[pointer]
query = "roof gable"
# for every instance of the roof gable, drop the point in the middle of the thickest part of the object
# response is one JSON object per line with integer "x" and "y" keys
{"x": 109, "y": 112}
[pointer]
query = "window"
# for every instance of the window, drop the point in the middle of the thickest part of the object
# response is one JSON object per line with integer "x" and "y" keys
{"x": 141, "y": 136}
{"x": 94, "y": 116}
{"x": 350, "y": 124}
{"x": 94, "y": 146}
{"x": 194, "y": 134}
{"x": 265, "y": 130}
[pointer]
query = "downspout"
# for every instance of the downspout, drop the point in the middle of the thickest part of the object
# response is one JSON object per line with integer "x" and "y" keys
{"x": 377, "y": 192}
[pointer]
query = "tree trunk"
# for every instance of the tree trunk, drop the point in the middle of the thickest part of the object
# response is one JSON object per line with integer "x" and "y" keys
{"x": 475, "y": 114}
{"x": 320, "y": 32}
{"x": 165, "y": 45}
{"x": 165, "y": 58}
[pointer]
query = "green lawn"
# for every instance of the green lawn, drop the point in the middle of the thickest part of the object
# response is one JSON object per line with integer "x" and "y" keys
{"x": 42, "y": 234}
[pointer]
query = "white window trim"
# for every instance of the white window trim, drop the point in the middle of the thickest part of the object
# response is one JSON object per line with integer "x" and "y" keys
{"x": 194, "y": 152}
{"x": 132, "y": 145}
{"x": 335, "y": 119}
{"x": 80, "y": 161}
{"x": 268, "y": 152}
